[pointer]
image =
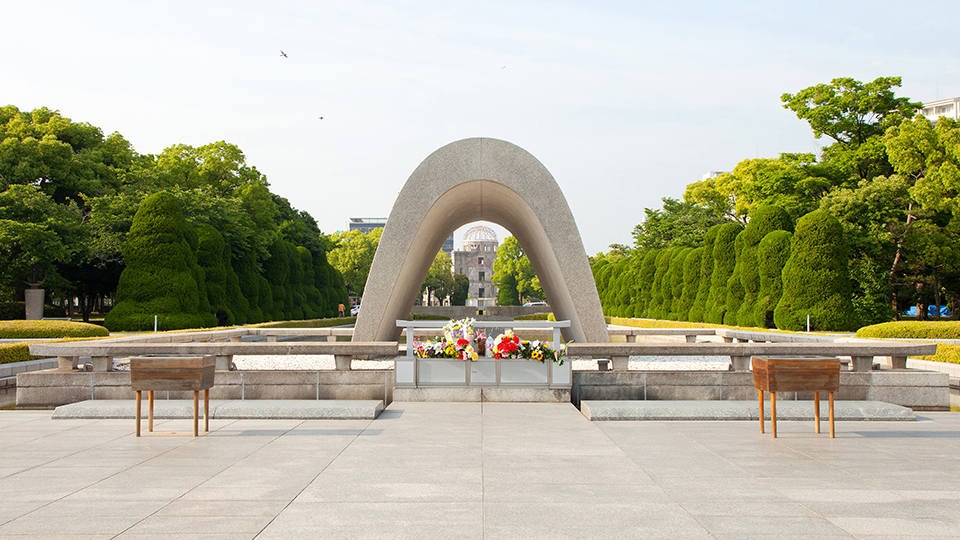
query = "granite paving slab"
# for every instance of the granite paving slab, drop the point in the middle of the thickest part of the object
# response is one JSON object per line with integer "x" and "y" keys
{"x": 740, "y": 410}
{"x": 478, "y": 470}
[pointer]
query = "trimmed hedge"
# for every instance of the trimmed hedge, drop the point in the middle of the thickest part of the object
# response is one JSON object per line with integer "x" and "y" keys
{"x": 816, "y": 279}
{"x": 162, "y": 276}
{"x": 912, "y": 329}
{"x": 312, "y": 323}
{"x": 764, "y": 220}
{"x": 699, "y": 309}
{"x": 945, "y": 353}
{"x": 772, "y": 255}
{"x": 724, "y": 260}
{"x": 11, "y": 311}
{"x": 49, "y": 329}
{"x": 20, "y": 352}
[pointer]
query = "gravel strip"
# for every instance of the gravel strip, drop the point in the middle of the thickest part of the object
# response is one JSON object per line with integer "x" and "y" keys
{"x": 639, "y": 363}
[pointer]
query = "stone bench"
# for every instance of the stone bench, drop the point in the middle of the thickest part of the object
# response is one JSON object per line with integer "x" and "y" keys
{"x": 860, "y": 352}
{"x": 689, "y": 333}
{"x": 102, "y": 352}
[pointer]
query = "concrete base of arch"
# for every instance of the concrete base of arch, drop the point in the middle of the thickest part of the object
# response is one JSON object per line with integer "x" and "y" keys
{"x": 480, "y": 180}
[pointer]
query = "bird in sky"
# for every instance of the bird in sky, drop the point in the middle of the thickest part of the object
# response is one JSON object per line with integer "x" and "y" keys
{"x": 283, "y": 54}
{"x": 321, "y": 118}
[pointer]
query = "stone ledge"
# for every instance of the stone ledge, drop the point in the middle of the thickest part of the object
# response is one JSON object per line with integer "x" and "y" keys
{"x": 227, "y": 410}
{"x": 739, "y": 410}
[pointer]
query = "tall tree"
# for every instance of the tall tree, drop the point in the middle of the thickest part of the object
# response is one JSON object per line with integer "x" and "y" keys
{"x": 855, "y": 116}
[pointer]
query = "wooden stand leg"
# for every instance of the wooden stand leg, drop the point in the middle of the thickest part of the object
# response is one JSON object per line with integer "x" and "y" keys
{"x": 196, "y": 407}
{"x": 206, "y": 410}
{"x": 832, "y": 432}
{"x": 138, "y": 413}
{"x": 150, "y": 410}
{"x": 761, "y": 411}
{"x": 773, "y": 414}
{"x": 816, "y": 411}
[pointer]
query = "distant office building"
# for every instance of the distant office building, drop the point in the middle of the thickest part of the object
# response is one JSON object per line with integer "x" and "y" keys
{"x": 943, "y": 108}
{"x": 711, "y": 174}
{"x": 366, "y": 225}
{"x": 476, "y": 262}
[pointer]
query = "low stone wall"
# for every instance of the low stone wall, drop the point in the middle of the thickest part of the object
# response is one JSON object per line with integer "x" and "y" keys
{"x": 49, "y": 389}
{"x": 919, "y": 390}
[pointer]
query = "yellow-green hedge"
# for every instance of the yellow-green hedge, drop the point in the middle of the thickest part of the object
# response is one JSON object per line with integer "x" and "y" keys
{"x": 49, "y": 329}
{"x": 912, "y": 329}
{"x": 20, "y": 351}
{"x": 311, "y": 323}
{"x": 945, "y": 353}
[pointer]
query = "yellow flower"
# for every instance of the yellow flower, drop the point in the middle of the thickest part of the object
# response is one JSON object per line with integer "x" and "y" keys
{"x": 474, "y": 356}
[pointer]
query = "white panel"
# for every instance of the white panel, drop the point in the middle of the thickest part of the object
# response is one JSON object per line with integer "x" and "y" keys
{"x": 483, "y": 372}
{"x": 442, "y": 372}
{"x": 405, "y": 372}
{"x": 561, "y": 374}
{"x": 523, "y": 372}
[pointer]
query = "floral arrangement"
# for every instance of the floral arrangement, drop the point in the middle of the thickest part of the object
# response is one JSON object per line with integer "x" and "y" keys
{"x": 508, "y": 345}
{"x": 456, "y": 342}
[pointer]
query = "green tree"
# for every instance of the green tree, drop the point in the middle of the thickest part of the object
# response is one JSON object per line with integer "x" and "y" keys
{"x": 353, "y": 256}
{"x": 439, "y": 282}
{"x": 677, "y": 224}
{"x": 461, "y": 289}
{"x": 36, "y": 235}
{"x": 816, "y": 280}
{"x": 67, "y": 160}
{"x": 161, "y": 272}
{"x": 507, "y": 294}
{"x": 511, "y": 259}
{"x": 855, "y": 116}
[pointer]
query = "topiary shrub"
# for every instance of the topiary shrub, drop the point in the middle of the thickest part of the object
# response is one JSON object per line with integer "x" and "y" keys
{"x": 724, "y": 260}
{"x": 772, "y": 254}
{"x": 161, "y": 272}
{"x": 648, "y": 271}
{"x": 699, "y": 308}
{"x": 691, "y": 283}
{"x": 763, "y": 220}
{"x": 731, "y": 305}
{"x": 659, "y": 303}
{"x": 674, "y": 279}
{"x": 816, "y": 280}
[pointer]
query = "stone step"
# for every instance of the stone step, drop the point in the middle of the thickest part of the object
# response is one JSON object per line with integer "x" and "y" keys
{"x": 740, "y": 410}
{"x": 328, "y": 409}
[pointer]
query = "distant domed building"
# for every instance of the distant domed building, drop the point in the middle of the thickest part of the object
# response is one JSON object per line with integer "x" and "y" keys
{"x": 476, "y": 262}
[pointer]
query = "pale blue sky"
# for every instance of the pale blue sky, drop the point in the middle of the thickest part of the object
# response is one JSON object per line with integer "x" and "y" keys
{"x": 624, "y": 102}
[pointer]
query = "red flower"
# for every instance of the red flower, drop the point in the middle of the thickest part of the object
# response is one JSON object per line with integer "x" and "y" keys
{"x": 462, "y": 342}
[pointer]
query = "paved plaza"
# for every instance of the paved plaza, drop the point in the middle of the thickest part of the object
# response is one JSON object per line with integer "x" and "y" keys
{"x": 477, "y": 470}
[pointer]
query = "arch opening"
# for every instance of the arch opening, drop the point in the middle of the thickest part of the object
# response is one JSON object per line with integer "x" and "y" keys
{"x": 480, "y": 180}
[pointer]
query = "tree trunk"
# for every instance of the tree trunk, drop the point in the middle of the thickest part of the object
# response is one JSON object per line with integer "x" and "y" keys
{"x": 936, "y": 294}
{"x": 921, "y": 304}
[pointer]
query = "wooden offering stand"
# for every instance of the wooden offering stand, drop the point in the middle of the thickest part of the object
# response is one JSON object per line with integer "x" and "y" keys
{"x": 796, "y": 375}
{"x": 174, "y": 374}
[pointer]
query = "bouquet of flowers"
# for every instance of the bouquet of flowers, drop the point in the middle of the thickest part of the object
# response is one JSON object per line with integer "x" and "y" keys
{"x": 508, "y": 345}
{"x": 455, "y": 343}
{"x": 461, "y": 329}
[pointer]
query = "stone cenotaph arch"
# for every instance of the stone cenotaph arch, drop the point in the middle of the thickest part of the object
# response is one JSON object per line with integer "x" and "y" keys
{"x": 471, "y": 180}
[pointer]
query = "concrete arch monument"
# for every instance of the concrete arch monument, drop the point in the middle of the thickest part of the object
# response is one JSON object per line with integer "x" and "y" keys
{"x": 480, "y": 179}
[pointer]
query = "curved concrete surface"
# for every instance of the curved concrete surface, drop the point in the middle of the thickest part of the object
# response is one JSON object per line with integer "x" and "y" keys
{"x": 473, "y": 180}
